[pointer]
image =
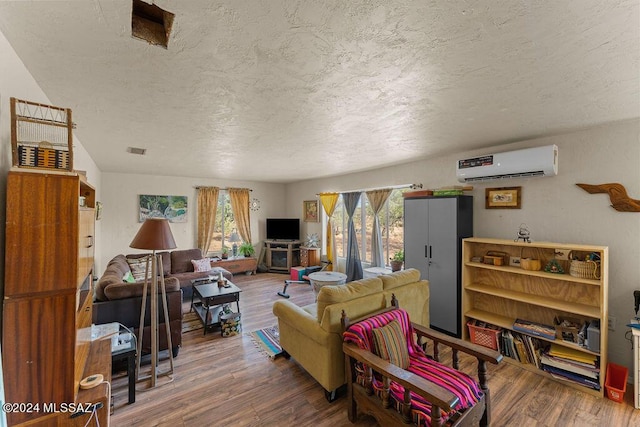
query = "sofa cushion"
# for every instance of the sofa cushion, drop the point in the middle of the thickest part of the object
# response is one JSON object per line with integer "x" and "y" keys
{"x": 332, "y": 294}
{"x": 181, "y": 260}
{"x": 200, "y": 265}
{"x": 390, "y": 344}
{"x": 165, "y": 257}
{"x": 400, "y": 278}
{"x": 138, "y": 266}
{"x": 129, "y": 290}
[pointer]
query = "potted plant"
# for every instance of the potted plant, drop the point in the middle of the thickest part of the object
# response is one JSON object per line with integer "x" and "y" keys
{"x": 225, "y": 252}
{"x": 246, "y": 249}
{"x": 397, "y": 260}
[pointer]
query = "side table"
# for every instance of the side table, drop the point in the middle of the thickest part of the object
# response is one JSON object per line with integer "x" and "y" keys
{"x": 207, "y": 300}
{"x": 123, "y": 347}
{"x": 309, "y": 256}
{"x": 126, "y": 351}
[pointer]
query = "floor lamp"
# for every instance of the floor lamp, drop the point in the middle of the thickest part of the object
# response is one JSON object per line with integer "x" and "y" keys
{"x": 154, "y": 235}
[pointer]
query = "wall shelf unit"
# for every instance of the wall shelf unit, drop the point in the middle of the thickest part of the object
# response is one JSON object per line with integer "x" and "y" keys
{"x": 500, "y": 294}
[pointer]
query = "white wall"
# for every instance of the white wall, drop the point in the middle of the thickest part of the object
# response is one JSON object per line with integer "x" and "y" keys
{"x": 554, "y": 208}
{"x": 120, "y": 208}
{"x": 17, "y": 82}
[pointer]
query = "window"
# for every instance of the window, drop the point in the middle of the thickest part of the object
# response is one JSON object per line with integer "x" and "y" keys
{"x": 225, "y": 223}
{"x": 391, "y": 225}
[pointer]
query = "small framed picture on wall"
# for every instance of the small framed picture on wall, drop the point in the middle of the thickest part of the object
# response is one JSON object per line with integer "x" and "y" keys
{"x": 503, "y": 198}
{"x": 310, "y": 211}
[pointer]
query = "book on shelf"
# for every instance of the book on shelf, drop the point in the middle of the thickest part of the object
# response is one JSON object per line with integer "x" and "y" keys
{"x": 572, "y": 354}
{"x": 534, "y": 328}
{"x": 521, "y": 347}
{"x": 571, "y": 377}
{"x": 589, "y": 371}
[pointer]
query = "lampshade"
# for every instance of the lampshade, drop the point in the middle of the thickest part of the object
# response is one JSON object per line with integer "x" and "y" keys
{"x": 234, "y": 238}
{"x": 154, "y": 234}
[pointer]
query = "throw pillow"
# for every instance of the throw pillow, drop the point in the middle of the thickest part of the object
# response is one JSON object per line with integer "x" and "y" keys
{"x": 391, "y": 344}
{"x": 128, "y": 278}
{"x": 201, "y": 265}
{"x": 138, "y": 267}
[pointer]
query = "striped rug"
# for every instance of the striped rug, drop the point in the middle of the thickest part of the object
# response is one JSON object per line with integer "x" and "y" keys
{"x": 267, "y": 340}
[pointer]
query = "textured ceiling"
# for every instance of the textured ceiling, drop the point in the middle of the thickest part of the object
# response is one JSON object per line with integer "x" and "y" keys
{"x": 284, "y": 90}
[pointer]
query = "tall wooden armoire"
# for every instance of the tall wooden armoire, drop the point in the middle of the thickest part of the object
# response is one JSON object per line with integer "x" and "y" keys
{"x": 48, "y": 292}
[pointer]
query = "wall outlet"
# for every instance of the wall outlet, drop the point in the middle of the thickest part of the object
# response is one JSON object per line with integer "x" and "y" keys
{"x": 612, "y": 323}
{"x": 561, "y": 254}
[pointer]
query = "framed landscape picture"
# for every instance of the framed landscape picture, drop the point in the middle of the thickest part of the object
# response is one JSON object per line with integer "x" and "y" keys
{"x": 173, "y": 208}
{"x": 503, "y": 198}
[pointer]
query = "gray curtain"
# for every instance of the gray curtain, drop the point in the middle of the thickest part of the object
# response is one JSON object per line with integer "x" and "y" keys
{"x": 377, "y": 199}
{"x": 354, "y": 266}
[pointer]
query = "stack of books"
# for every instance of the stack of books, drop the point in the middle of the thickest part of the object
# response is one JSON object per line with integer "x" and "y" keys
{"x": 536, "y": 329}
{"x": 571, "y": 365}
{"x": 520, "y": 347}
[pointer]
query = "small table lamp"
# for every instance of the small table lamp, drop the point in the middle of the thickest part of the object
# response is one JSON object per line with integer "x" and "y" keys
{"x": 154, "y": 234}
{"x": 234, "y": 238}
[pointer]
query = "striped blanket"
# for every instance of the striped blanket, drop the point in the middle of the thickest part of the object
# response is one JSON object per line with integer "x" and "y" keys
{"x": 460, "y": 384}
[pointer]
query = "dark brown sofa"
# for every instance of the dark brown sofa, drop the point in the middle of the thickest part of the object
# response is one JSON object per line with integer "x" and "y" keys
{"x": 119, "y": 301}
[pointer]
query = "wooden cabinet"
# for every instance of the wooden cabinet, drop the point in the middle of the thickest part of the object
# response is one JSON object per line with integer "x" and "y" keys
{"x": 500, "y": 294}
{"x": 237, "y": 265}
{"x": 309, "y": 257}
{"x": 48, "y": 289}
{"x": 282, "y": 255}
{"x": 433, "y": 232}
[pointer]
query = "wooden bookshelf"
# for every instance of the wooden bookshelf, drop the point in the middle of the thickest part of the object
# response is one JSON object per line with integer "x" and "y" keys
{"x": 499, "y": 294}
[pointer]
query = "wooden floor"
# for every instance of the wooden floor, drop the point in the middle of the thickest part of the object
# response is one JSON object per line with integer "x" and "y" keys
{"x": 229, "y": 382}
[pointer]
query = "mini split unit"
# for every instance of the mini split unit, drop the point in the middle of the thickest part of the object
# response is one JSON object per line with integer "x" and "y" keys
{"x": 537, "y": 161}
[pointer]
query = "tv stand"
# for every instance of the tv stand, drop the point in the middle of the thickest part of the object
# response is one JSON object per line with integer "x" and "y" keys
{"x": 282, "y": 255}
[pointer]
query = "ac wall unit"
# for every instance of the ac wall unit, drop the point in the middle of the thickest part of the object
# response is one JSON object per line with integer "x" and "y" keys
{"x": 537, "y": 161}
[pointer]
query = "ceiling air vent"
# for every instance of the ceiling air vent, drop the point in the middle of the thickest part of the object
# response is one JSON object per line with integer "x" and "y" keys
{"x": 135, "y": 150}
{"x": 150, "y": 23}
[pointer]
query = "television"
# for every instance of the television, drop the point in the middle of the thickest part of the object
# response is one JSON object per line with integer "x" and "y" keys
{"x": 283, "y": 228}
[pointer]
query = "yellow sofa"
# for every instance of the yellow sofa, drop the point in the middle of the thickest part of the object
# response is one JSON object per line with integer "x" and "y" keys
{"x": 312, "y": 334}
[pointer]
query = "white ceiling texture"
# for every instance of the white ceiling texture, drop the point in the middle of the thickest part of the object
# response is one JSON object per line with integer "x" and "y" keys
{"x": 285, "y": 90}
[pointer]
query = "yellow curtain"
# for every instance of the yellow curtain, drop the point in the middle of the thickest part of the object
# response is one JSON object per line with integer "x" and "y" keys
{"x": 329, "y": 201}
{"x": 239, "y": 198}
{"x": 207, "y": 206}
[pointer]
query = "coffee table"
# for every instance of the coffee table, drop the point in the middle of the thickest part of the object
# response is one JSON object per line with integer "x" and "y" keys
{"x": 207, "y": 300}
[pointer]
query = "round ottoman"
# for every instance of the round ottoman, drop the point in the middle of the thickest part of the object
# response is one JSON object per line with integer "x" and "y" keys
{"x": 324, "y": 278}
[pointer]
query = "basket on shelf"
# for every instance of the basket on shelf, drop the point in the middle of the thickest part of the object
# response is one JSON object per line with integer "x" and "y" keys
{"x": 588, "y": 269}
{"x": 485, "y": 337}
{"x": 495, "y": 258}
{"x": 531, "y": 264}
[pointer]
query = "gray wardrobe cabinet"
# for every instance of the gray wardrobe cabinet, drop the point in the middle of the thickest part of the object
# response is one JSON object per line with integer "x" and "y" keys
{"x": 433, "y": 231}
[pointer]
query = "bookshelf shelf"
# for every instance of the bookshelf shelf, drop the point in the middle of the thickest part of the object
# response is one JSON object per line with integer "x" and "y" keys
{"x": 539, "y": 300}
{"x": 501, "y": 294}
{"x": 541, "y": 274}
{"x": 507, "y": 323}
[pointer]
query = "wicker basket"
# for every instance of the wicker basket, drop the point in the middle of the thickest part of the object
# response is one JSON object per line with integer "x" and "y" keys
{"x": 531, "y": 264}
{"x": 585, "y": 269}
{"x": 484, "y": 336}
